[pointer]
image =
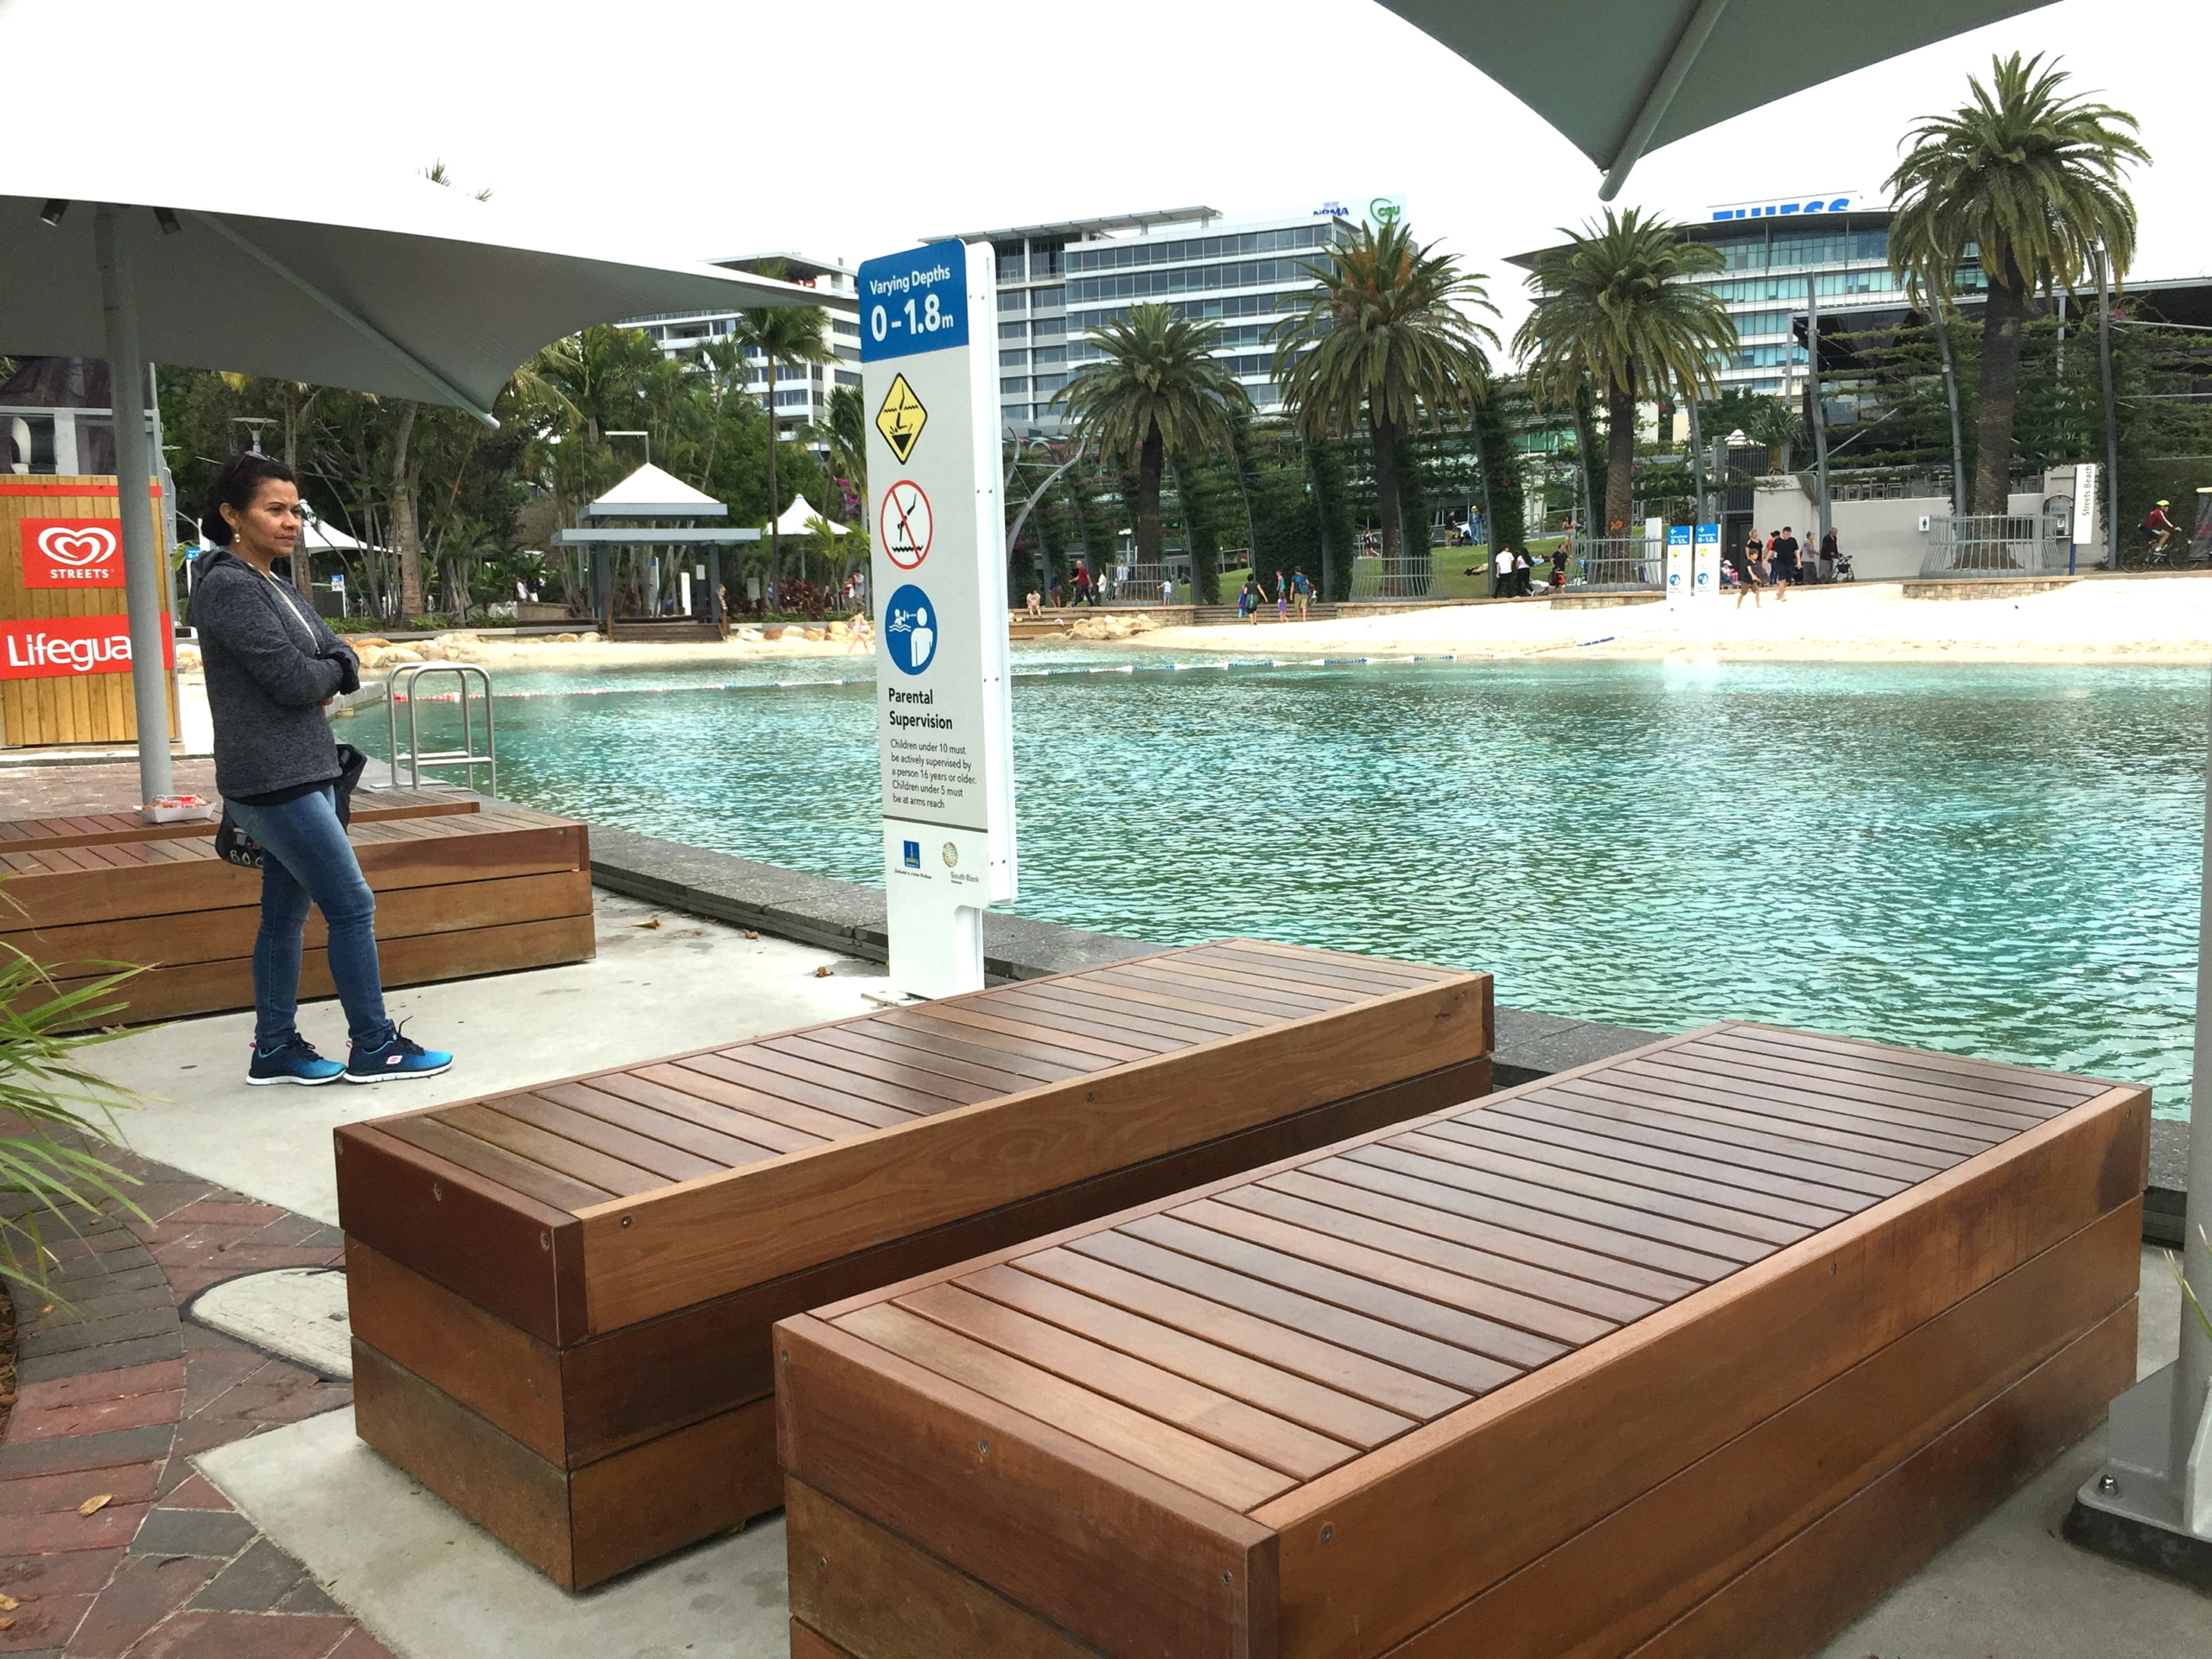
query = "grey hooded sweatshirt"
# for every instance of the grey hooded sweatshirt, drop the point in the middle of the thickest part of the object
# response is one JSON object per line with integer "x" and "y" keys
{"x": 271, "y": 663}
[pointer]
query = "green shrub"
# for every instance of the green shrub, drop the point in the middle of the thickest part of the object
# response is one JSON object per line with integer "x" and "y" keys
{"x": 54, "y": 1115}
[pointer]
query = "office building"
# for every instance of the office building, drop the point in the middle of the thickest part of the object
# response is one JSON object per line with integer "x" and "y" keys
{"x": 1838, "y": 241}
{"x": 1059, "y": 281}
{"x": 802, "y": 390}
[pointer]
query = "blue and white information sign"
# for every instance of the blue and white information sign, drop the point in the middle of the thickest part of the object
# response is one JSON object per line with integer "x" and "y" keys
{"x": 943, "y": 720}
{"x": 1678, "y": 563}
{"x": 1705, "y": 565}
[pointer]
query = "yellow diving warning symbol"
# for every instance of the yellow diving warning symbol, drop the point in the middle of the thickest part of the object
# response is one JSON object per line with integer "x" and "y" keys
{"x": 901, "y": 418}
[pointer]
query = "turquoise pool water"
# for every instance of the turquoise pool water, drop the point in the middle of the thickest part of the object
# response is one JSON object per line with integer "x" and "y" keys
{"x": 1995, "y": 861}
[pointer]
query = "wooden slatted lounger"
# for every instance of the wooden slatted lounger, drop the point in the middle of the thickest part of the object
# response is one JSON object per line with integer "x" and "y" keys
{"x": 562, "y": 1298}
{"x": 1691, "y": 1352}
{"x": 460, "y": 892}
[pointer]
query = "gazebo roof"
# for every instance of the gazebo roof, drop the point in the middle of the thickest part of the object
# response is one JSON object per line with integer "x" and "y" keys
{"x": 648, "y": 492}
{"x": 800, "y": 516}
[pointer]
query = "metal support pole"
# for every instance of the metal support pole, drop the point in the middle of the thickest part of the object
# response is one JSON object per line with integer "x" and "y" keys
{"x": 143, "y": 570}
{"x": 1697, "y": 461}
{"x": 2111, "y": 414}
{"x": 1820, "y": 405}
{"x": 2196, "y": 1365}
{"x": 1951, "y": 394}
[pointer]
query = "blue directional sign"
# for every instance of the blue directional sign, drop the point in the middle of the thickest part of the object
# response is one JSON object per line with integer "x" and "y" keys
{"x": 1678, "y": 535}
{"x": 914, "y": 301}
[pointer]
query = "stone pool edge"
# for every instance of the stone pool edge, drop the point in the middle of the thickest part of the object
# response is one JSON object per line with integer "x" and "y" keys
{"x": 846, "y": 916}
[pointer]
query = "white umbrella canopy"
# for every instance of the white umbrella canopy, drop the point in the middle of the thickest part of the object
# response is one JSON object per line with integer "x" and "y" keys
{"x": 1619, "y": 78}
{"x": 798, "y": 518}
{"x": 411, "y": 291}
{"x": 401, "y": 288}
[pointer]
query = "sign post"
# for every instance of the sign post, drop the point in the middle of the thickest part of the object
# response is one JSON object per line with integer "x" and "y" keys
{"x": 1678, "y": 564}
{"x": 1705, "y": 567}
{"x": 944, "y": 736}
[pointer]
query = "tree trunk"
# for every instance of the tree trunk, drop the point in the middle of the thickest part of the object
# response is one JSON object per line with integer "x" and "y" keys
{"x": 407, "y": 535}
{"x": 1383, "y": 437}
{"x": 1620, "y": 458}
{"x": 2000, "y": 393}
{"x": 1152, "y": 461}
{"x": 775, "y": 548}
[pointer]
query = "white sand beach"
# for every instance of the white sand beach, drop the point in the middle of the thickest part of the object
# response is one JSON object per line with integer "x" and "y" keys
{"x": 2156, "y": 618}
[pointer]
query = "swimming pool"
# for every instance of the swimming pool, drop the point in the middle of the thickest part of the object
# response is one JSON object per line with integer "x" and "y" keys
{"x": 2000, "y": 861}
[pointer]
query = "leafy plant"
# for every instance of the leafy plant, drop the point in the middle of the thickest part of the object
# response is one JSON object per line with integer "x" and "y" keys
{"x": 1158, "y": 392}
{"x": 1389, "y": 335}
{"x": 1613, "y": 320}
{"x": 53, "y": 1112}
{"x": 2029, "y": 180}
{"x": 2188, "y": 1291}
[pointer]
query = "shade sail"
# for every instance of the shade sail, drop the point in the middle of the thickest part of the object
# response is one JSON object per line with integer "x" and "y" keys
{"x": 1620, "y": 78}
{"x": 653, "y": 493}
{"x": 410, "y": 291}
{"x": 798, "y": 518}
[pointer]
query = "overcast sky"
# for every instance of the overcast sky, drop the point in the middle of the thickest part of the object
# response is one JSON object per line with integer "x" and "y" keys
{"x": 718, "y": 127}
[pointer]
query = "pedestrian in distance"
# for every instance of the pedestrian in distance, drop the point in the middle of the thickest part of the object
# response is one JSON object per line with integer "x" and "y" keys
{"x": 1559, "y": 568}
{"x": 1524, "y": 572}
{"x": 1053, "y": 593}
{"x": 1301, "y": 588}
{"x": 1743, "y": 565}
{"x": 1782, "y": 565}
{"x": 1501, "y": 585}
{"x": 1248, "y": 601}
{"x": 1166, "y": 593}
{"x": 1036, "y": 603}
{"x": 272, "y": 667}
{"x": 1283, "y": 598}
{"x": 1828, "y": 557}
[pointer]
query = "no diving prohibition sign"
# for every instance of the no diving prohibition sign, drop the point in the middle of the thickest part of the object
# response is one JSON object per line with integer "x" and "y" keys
{"x": 906, "y": 524}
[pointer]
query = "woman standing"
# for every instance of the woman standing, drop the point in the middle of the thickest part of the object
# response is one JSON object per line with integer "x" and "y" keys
{"x": 271, "y": 666}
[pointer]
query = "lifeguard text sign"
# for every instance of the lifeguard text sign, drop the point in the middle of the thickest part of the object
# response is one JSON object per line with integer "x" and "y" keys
{"x": 61, "y": 647}
{"x": 72, "y": 553}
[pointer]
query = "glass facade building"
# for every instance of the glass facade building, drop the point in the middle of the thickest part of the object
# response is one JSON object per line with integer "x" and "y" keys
{"x": 1058, "y": 282}
{"x": 1839, "y": 242}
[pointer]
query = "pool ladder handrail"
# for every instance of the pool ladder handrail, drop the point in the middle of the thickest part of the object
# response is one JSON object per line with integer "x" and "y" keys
{"x": 401, "y": 684}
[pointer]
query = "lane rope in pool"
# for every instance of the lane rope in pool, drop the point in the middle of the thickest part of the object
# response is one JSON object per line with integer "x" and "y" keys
{"x": 1038, "y": 673}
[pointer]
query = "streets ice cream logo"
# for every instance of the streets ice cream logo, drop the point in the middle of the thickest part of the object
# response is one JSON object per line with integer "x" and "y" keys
{"x": 72, "y": 553}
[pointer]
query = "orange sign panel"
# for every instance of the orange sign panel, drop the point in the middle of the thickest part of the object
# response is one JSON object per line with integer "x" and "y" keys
{"x": 72, "y": 553}
{"x": 61, "y": 647}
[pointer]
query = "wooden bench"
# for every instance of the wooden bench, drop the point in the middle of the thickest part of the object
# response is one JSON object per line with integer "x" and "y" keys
{"x": 107, "y": 829}
{"x": 562, "y": 1298}
{"x": 1691, "y": 1352}
{"x": 460, "y": 893}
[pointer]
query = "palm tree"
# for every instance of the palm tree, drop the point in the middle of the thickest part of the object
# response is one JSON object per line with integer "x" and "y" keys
{"x": 1388, "y": 335}
{"x": 787, "y": 335}
{"x": 1158, "y": 392}
{"x": 843, "y": 432}
{"x": 2030, "y": 182}
{"x": 1613, "y": 314}
{"x": 1771, "y": 421}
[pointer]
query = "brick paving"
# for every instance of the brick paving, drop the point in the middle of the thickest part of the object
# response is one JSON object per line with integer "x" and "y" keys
{"x": 116, "y": 1390}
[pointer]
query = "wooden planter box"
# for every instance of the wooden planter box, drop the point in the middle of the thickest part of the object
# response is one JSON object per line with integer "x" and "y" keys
{"x": 562, "y": 1298}
{"x": 1694, "y": 1352}
{"x": 459, "y": 893}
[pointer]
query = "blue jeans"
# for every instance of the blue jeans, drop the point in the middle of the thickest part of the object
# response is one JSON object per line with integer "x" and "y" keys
{"x": 306, "y": 858}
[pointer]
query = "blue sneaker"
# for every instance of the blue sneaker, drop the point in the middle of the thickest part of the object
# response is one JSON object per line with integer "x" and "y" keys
{"x": 293, "y": 1060}
{"x": 398, "y": 1056}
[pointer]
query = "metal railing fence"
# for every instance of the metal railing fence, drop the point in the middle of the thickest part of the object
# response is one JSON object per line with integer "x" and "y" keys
{"x": 1999, "y": 544}
{"x": 1412, "y": 576}
{"x": 1621, "y": 561}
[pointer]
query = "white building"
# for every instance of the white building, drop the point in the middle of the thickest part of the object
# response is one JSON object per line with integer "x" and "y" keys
{"x": 1058, "y": 282}
{"x": 802, "y": 392}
